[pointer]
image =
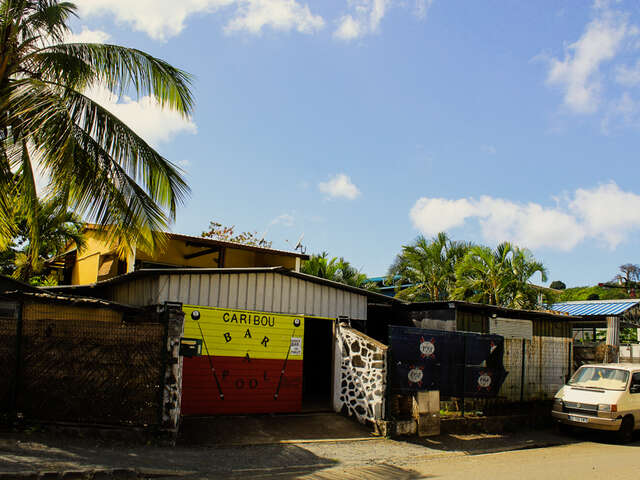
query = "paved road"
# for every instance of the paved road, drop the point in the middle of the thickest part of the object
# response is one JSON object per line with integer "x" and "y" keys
{"x": 587, "y": 457}
{"x": 583, "y": 461}
{"x": 582, "y": 457}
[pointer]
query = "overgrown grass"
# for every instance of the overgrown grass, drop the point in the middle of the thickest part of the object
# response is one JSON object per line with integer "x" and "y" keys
{"x": 583, "y": 293}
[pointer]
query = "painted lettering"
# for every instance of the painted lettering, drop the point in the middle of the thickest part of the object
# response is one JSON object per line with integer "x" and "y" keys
{"x": 256, "y": 320}
{"x": 243, "y": 318}
{"x": 265, "y": 376}
{"x": 253, "y": 383}
{"x": 240, "y": 384}
{"x": 234, "y": 318}
{"x": 225, "y": 316}
{"x": 264, "y": 341}
{"x": 227, "y": 337}
{"x": 247, "y": 358}
{"x": 225, "y": 374}
{"x": 247, "y": 334}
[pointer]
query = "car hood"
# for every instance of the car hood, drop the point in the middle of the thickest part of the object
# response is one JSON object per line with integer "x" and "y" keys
{"x": 579, "y": 395}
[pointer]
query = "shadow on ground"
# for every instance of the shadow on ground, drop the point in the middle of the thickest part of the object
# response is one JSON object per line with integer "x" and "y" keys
{"x": 268, "y": 429}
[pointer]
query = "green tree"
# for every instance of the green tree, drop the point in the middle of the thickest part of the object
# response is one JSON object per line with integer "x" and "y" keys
{"x": 558, "y": 285}
{"x": 337, "y": 270}
{"x": 96, "y": 164}
{"x": 498, "y": 277}
{"x": 428, "y": 266}
{"x": 217, "y": 231}
{"x": 57, "y": 228}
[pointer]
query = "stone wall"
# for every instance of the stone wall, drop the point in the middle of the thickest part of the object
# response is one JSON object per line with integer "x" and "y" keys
{"x": 172, "y": 316}
{"x": 172, "y": 392}
{"x": 360, "y": 375}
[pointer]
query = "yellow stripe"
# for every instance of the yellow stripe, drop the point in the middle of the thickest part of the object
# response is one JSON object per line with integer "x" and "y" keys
{"x": 236, "y": 333}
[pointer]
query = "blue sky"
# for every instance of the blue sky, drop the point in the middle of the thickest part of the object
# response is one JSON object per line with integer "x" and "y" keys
{"x": 364, "y": 123}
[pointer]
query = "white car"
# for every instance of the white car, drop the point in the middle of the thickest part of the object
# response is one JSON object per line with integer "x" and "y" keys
{"x": 601, "y": 397}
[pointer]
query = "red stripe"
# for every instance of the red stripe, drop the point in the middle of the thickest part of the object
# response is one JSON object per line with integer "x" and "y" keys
{"x": 248, "y": 386}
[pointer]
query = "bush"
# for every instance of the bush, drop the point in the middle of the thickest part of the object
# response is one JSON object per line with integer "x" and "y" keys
{"x": 557, "y": 285}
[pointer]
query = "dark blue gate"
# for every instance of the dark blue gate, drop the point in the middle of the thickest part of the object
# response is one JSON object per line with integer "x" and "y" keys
{"x": 459, "y": 364}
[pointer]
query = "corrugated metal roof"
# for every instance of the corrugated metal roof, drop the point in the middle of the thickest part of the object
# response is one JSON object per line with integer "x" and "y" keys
{"x": 50, "y": 297}
{"x": 595, "y": 307}
{"x": 223, "y": 271}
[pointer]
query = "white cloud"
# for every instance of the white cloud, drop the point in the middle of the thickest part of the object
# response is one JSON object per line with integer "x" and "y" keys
{"x": 620, "y": 113}
{"x": 608, "y": 212}
{"x": 364, "y": 19}
{"x": 285, "y": 219}
{"x": 422, "y": 8}
{"x": 339, "y": 186}
{"x": 628, "y": 76}
{"x": 278, "y": 14}
{"x": 88, "y": 36}
{"x": 146, "y": 116}
{"x": 578, "y": 73}
{"x": 490, "y": 149}
{"x": 605, "y": 213}
{"x": 162, "y": 19}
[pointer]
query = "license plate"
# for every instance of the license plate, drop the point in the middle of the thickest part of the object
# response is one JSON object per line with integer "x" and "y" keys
{"x": 573, "y": 418}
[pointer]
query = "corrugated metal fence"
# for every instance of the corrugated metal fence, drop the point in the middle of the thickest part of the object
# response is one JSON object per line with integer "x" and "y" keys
{"x": 77, "y": 364}
{"x": 538, "y": 373}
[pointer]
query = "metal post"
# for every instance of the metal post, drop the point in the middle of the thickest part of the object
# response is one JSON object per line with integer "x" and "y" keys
{"x": 17, "y": 371}
{"x": 464, "y": 371}
{"x": 522, "y": 372}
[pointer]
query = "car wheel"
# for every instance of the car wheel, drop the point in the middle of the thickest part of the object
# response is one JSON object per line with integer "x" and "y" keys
{"x": 625, "y": 434}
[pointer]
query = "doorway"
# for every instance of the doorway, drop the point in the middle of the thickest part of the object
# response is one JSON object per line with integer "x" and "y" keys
{"x": 317, "y": 370}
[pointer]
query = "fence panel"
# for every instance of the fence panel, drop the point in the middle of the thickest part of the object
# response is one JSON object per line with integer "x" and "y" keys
{"x": 87, "y": 365}
{"x": 8, "y": 326}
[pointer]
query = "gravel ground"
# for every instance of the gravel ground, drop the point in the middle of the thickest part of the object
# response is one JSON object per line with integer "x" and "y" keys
{"x": 42, "y": 452}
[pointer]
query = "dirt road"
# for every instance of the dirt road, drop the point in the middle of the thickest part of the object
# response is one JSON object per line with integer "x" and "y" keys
{"x": 454, "y": 457}
{"x": 588, "y": 457}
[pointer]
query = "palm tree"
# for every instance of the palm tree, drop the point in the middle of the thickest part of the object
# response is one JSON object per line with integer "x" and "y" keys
{"x": 57, "y": 229}
{"x": 498, "y": 277}
{"x": 337, "y": 270}
{"x": 96, "y": 164}
{"x": 428, "y": 266}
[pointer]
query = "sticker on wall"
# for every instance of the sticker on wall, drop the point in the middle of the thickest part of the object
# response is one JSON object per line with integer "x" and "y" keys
{"x": 415, "y": 375}
{"x": 484, "y": 381}
{"x": 296, "y": 346}
{"x": 427, "y": 348}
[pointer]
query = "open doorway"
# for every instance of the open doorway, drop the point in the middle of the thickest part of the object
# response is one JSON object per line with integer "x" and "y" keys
{"x": 317, "y": 373}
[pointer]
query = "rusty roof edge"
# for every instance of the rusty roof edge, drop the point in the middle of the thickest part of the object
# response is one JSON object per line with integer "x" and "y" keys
{"x": 83, "y": 300}
{"x": 497, "y": 309}
{"x": 227, "y": 271}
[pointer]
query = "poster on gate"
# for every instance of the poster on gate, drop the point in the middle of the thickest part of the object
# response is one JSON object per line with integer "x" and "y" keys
{"x": 458, "y": 364}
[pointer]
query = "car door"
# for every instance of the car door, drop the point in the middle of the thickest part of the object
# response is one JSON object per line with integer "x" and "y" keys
{"x": 634, "y": 397}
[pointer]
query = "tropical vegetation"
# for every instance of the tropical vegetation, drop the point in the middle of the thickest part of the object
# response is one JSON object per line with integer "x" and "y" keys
{"x": 499, "y": 277}
{"x": 95, "y": 164}
{"x": 442, "y": 269}
{"x": 337, "y": 270}
{"x": 57, "y": 228}
{"x": 218, "y": 231}
{"x": 428, "y": 267}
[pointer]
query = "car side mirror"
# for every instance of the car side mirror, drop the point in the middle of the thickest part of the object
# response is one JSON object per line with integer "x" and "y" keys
{"x": 635, "y": 388}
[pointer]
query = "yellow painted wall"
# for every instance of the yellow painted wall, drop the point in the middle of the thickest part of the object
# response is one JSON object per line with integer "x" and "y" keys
{"x": 237, "y": 333}
{"x": 85, "y": 270}
{"x": 173, "y": 254}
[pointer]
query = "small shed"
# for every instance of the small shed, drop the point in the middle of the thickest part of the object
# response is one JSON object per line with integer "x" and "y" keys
{"x": 538, "y": 344}
{"x": 601, "y": 314}
{"x": 267, "y": 334}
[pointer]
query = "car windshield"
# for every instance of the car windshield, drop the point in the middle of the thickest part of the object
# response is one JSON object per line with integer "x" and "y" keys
{"x": 600, "y": 377}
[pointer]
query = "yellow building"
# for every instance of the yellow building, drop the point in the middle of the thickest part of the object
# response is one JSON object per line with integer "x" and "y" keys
{"x": 98, "y": 259}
